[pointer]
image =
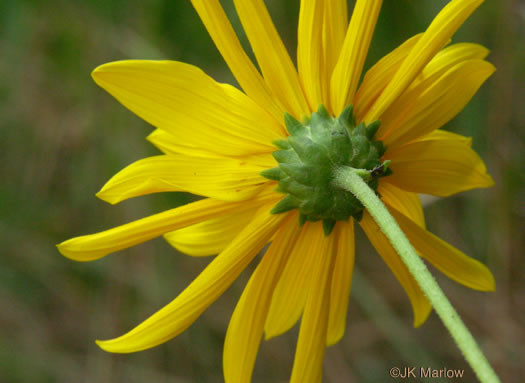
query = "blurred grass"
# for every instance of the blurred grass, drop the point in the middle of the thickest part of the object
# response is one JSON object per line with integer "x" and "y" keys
{"x": 61, "y": 138}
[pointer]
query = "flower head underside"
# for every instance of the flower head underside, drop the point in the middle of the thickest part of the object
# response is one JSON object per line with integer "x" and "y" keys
{"x": 248, "y": 151}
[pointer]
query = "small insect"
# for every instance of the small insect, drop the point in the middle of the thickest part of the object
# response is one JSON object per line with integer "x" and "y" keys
{"x": 378, "y": 171}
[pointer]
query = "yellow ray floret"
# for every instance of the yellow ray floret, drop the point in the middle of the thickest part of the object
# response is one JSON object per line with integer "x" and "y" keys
{"x": 311, "y": 343}
{"x": 347, "y": 71}
{"x": 224, "y": 37}
{"x": 447, "y": 259}
{"x": 437, "y": 34}
{"x": 202, "y": 292}
{"x": 225, "y": 179}
{"x": 379, "y": 75}
{"x": 247, "y": 322}
{"x": 273, "y": 59}
{"x": 170, "y": 144}
{"x": 335, "y": 25}
{"x": 432, "y": 102}
{"x": 291, "y": 291}
{"x": 209, "y": 237}
{"x": 341, "y": 281}
{"x": 94, "y": 246}
{"x": 405, "y": 202}
{"x": 420, "y": 304}
{"x": 440, "y": 167}
{"x": 309, "y": 51}
{"x": 184, "y": 101}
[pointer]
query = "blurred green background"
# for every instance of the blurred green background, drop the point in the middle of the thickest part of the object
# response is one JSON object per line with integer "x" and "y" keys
{"x": 61, "y": 138}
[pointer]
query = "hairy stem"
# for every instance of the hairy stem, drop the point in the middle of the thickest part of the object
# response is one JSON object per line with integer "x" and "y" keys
{"x": 350, "y": 179}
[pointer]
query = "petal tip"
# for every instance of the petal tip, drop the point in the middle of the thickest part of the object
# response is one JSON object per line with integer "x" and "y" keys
{"x": 104, "y": 69}
{"x": 334, "y": 338}
{"x": 270, "y": 334}
{"x": 106, "y": 345}
{"x": 64, "y": 248}
{"x": 75, "y": 250}
{"x": 489, "y": 181}
{"x": 486, "y": 281}
{"x": 107, "y": 197}
{"x": 421, "y": 317}
{"x": 118, "y": 346}
{"x": 67, "y": 249}
{"x": 95, "y": 74}
{"x": 60, "y": 248}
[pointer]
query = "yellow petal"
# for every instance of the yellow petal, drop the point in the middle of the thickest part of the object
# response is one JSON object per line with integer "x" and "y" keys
{"x": 224, "y": 37}
{"x": 311, "y": 344}
{"x": 378, "y": 76}
{"x": 420, "y": 305}
{"x": 94, "y": 246}
{"x": 444, "y": 25}
{"x": 341, "y": 281}
{"x": 184, "y": 101}
{"x": 446, "y": 258}
{"x": 309, "y": 50}
{"x": 178, "y": 315}
{"x": 247, "y": 322}
{"x": 169, "y": 144}
{"x": 439, "y": 167}
{"x": 291, "y": 291}
{"x": 223, "y": 179}
{"x": 407, "y": 203}
{"x": 273, "y": 59}
{"x": 347, "y": 71}
{"x": 433, "y": 102}
{"x": 450, "y": 56}
{"x": 209, "y": 237}
{"x": 440, "y": 134}
{"x": 335, "y": 24}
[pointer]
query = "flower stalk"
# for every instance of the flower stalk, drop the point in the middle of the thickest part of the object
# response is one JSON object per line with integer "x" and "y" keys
{"x": 351, "y": 180}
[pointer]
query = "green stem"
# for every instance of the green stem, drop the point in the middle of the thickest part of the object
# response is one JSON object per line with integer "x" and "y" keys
{"x": 350, "y": 179}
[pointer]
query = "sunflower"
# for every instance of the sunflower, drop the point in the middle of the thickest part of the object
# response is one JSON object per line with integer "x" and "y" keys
{"x": 264, "y": 158}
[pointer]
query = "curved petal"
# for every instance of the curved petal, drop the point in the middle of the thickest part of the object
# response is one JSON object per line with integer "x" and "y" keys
{"x": 242, "y": 68}
{"x": 444, "y": 25}
{"x": 440, "y": 134}
{"x": 347, "y": 71}
{"x": 247, "y": 322}
{"x": 451, "y": 56}
{"x": 378, "y": 76}
{"x": 291, "y": 291}
{"x": 439, "y": 167}
{"x": 209, "y": 237}
{"x": 311, "y": 344}
{"x": 446, "y": 258}
{"x": 273, "y": 59}
{"x": 335, "y": 24}
{"x": 94, "y": 246}
{"x": 223, "y": 179}
{"x": 202, "y": 292}
{"x": 432, "y": 102}
{"x": 446, "y": 59}
{"x": 169, "y": 144}
{"x": 407, "y": 203}
{"x": 184, "y": 101}
{"x": 420, "y": 305}
{"x": 309, "y": 50}
{"x": 341, "y": 281}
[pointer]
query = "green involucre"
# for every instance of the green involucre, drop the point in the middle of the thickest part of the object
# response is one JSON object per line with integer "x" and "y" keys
{"x": 312, "y": 153}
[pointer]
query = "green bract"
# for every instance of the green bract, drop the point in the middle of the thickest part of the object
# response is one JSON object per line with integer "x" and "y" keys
{"x": 310, "y": 155}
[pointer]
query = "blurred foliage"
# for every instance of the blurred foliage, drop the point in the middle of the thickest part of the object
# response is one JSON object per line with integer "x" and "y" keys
{"x": 61, "y": 138}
